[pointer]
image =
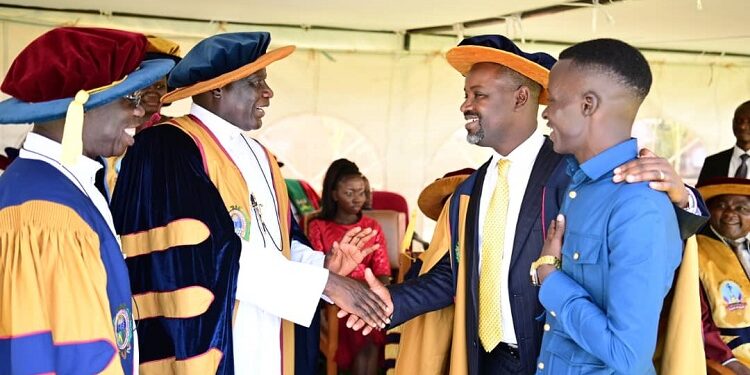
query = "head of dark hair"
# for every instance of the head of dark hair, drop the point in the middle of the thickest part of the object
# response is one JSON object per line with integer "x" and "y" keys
{"x": 338, "y": 171}
{"x": 742, "y": 107}
{"x": 614, "y": 57}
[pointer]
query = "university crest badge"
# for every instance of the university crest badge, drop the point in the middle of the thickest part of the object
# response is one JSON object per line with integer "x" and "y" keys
{"x": 123, "y": 324}
{"x": 732, "y": 295}
{"x": 241, "y": 222}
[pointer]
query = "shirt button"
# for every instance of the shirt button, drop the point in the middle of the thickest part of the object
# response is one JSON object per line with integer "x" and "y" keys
{"x": 540, "y": 365}
{"x": 576, "y": 255}
{"x": 572, "y": 195}
{"x": 554, "y": 314}
{"x": 547, "y": 327}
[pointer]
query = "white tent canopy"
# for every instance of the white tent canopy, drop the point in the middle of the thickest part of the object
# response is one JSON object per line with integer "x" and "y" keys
{"x": 369, "y": 81}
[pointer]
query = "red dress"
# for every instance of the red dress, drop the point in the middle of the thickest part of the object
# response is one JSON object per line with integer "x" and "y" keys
{"x": 322, "y": 234}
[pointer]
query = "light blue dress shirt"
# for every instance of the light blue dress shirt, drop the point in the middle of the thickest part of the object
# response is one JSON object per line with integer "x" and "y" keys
{"x": 621, "y": 248}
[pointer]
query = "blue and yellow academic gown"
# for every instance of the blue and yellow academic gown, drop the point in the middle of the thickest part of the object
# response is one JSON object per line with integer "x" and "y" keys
{"x": 179, "y": 209}
{"x": 65, "y": 302}
{"x": 726, "y": 285}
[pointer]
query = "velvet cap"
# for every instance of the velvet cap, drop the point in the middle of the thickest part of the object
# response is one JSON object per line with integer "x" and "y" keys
{"x": 500, "y": 50}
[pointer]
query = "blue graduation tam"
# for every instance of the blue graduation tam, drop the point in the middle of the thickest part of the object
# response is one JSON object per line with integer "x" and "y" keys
{"x": 219, "y": 60}
{"x": 501, "y": 50}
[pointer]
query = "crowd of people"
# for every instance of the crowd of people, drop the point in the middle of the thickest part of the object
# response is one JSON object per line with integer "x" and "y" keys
{"x": 132, "y": 242}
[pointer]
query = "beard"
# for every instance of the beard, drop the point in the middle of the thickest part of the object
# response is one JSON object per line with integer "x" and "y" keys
{"x": 478, "y": 136}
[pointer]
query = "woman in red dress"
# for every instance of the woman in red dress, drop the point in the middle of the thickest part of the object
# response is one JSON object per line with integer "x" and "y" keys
{"x": 341, "y": 210}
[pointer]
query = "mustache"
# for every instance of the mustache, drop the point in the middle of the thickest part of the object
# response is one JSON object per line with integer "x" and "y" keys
{"x": 471, "y": 113}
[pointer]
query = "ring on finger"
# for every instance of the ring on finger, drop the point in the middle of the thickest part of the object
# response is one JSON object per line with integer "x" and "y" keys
{"x": 661, "y": 174}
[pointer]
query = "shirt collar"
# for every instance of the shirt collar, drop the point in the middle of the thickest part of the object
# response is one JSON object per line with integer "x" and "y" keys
{"x": 84, "y": 169}
{"x": 737, "y": 152}
{"x": 738, "y": 242}
{"x": 222, "y": 129}
{"x": 605, "y": 161}
{"x": 524, "y": 154}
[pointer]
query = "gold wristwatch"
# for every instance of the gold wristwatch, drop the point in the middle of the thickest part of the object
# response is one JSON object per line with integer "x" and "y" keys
{"x": 546, "y": 259}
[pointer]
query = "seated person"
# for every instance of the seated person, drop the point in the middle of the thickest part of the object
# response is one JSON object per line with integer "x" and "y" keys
{"x": 724, "y": 267}
{"x": 341, "y": 210}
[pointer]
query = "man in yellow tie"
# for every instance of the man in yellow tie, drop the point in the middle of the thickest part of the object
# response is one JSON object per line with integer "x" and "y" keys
{"x": 491, "y": 228}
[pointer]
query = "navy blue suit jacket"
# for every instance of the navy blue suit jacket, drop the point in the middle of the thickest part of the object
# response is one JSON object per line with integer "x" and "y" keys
{"x": 436, "y": 288}
{"x": 716, "y": 165}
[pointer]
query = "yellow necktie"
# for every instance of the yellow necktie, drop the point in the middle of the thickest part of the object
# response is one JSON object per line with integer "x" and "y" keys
{"x": 493, "y": 238}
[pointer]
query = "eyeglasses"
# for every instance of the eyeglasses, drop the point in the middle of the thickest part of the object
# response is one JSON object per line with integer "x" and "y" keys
{"x": 741, "y": 209}
{"x": 134, "y": 98}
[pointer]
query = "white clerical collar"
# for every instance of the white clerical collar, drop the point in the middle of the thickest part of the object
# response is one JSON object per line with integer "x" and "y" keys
{"x": 42, "y": 148}
{"x": 524, "y": 154}
{"x": 222, "y": 129}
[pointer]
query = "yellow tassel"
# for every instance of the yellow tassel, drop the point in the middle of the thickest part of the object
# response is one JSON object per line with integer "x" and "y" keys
{"x": 409, "y": 233}
{"x": 72, "y": 142}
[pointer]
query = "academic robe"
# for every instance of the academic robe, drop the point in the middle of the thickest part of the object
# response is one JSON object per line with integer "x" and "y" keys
{"x": 181, "y": 210}
{"x": 65, "y": 301}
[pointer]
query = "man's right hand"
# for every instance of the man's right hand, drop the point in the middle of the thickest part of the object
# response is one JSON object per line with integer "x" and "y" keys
{"x": 355, "y": 322}
{"x": 354, "y": 298}
{"x": 738, "y": 368}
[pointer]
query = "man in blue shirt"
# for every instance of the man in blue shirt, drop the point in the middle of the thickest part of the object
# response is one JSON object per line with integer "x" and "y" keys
{"x": 619, "y": 243}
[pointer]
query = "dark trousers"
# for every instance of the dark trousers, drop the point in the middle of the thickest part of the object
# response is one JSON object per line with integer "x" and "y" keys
{"x": 498, "y": 362}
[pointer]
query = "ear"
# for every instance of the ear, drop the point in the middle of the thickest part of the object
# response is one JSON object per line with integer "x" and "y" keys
{"x": 522, "y": 97}
{"x": 590, "y": 103}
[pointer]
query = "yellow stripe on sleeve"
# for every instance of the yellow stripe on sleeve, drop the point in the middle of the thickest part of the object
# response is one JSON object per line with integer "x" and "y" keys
{"x": 181, "y": 303}
{"x": 177, "y": 233}
{"x": 206, "y": 363}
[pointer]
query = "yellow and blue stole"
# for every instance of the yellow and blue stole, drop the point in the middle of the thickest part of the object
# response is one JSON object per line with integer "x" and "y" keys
{"x": 727, "y": 286}
{"x": 435, "y": 343}
{"x": 227, "y": 178}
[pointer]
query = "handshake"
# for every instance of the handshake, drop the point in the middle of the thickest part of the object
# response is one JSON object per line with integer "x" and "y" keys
{"x": 368, "y": 308}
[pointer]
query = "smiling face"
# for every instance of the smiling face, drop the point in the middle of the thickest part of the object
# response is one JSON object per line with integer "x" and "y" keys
{"x": 242, "y": 101}
{"x": 730, "y": 215}
{"x": 349, "y": 195}
{"x": 104, "y": 128}
{"x": 564, "y": 111}
{"x": 488, "y": 105}
{"x": 150, "y": 97}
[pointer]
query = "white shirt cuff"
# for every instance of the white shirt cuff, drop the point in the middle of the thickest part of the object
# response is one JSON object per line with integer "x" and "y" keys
{"x": 692, "y": 203}
{"x": 730, "y": 360}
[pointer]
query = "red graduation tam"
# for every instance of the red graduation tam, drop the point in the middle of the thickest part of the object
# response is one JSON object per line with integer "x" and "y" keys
{"x": 70, "y": 70}
{"x": 65, "y": 60}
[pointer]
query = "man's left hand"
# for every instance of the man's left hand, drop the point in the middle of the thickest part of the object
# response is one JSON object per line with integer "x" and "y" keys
{"x": 658, "y": 171}
{"x": 347, "y": 254}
